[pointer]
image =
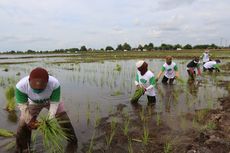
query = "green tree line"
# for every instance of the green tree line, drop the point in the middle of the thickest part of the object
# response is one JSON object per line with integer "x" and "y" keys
{"x": 123, "y": 47}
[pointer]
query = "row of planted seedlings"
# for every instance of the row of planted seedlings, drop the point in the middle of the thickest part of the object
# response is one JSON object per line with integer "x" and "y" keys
{"x": 118, "y": 129}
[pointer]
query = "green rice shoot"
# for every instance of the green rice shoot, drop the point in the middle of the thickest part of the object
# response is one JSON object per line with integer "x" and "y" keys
{"x": 52, "y": 134}
{"x": 10, "y": 93}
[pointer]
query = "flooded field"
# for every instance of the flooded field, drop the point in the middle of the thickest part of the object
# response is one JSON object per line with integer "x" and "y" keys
{"x": 97, "y": 99}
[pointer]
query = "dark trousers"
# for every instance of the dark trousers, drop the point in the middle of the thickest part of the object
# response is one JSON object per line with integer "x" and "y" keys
{"x": 210, "y": 69}
{"x": 151, "y": 99}
{"x": 165, "y": 80}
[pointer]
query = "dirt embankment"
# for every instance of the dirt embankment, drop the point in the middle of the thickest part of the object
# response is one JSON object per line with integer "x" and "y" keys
{"x": 216, "y": 140}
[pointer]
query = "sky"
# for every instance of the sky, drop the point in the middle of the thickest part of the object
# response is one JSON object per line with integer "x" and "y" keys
{"x": 56, "y": 24}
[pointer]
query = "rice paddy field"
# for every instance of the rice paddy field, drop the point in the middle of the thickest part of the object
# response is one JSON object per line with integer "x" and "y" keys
{"x": 97, "y": 88}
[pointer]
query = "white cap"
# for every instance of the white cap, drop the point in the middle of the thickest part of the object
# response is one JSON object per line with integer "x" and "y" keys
{"x": 139, "y": 64}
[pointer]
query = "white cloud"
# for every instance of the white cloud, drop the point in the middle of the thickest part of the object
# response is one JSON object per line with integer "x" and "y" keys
{"x": 51, "y": 24}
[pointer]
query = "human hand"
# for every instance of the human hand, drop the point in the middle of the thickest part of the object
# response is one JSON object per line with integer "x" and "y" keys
{"x": 33, "y": 124}
{"x": 156, "y": 79}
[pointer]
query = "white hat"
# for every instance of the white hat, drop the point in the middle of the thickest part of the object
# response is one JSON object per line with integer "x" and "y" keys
{"x": 139, "y": 63}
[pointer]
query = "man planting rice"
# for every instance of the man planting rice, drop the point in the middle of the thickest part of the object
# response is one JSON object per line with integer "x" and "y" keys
{"x": 145, "y": 83}
{"x": 33, "y": 93}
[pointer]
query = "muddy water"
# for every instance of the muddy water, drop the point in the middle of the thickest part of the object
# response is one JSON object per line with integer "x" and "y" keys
{"x": 94, "y": 90}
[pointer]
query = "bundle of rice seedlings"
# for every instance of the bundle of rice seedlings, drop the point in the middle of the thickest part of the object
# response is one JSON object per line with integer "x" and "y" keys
{"x": 6, "y": 133}
{"x": 53, "y": 134}
{"x": 138, "y": 93}
{"x": 10, "y": 93}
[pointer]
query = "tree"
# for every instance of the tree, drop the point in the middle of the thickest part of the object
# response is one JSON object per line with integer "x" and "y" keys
{"x": 177, "y": 46}
{"x": 30, "y": 51}
{"x": 188, "y": 46}
{"x": 150, "y": 46}
{"x": 145, "y": 47}
{"x": 166, "y": 47}
{"x": 109, "y": 48}
{"x": 126, "y": 46}
{"x": 83, "y": 48}
{"x": 200, "y": 46}
{"x": 140, "y": 47}
{"x": 213, "y": 46}
{"x": 119, "y": 47}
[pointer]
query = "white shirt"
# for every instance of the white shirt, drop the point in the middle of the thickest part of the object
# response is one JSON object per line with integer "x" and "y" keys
{"x": 209, "y": 64}
{"x": 145, "y": 81}
{"x": 205, "y": 57}
{"x": 169, "y": 70}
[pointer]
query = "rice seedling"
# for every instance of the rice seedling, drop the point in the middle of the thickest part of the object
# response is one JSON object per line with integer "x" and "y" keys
{"x": 113, "y": 123}
{"x": 200, "y": 114}
{"x": 210, "y": 104}
{"x": 6, "y": 133}
{"x": 9, "y": 146}
{"x": 145, "y": 137}
{"x": 97, "y": 120}
{"x": 110, "y": 138}
{"x": 210, "y": 126}
{"x": 88, "y": 114}
{"x": 117, "y": 68}
{"x": 110, "y": 109}
{"x": 52, "y": 133}
{"x": 130, "y": 147}
{"x": 126, "y": 126}
{"x": 2, "y": 82}
{"x": 9, "y": 93}
{"x": 167, "y": 147}
{"x": 158, "y": 119}
{"x": 91, "y": 143}
{"x": 142, "y": 114}
{"x": 116, "y": 93}
{"x": 98, "y": 108}
{"x": 112, "y": 132}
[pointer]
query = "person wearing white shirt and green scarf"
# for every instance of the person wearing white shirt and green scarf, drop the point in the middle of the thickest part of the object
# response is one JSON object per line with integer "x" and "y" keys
{"x": 33, "y": 93}
{"x": 145, "y": 83}
{"x": 212, "y": 65}
{"x": 170, "y": 70}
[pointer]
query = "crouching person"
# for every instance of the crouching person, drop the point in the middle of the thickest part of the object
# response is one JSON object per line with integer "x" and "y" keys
{"x": 145, "y": 83}
{"x": 33, "y": 93}
{"x": 212, "y": 65}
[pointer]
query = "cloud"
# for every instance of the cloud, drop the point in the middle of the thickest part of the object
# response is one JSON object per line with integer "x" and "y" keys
{"x": 173, "y": 4}
{"x": 71, "y": 23}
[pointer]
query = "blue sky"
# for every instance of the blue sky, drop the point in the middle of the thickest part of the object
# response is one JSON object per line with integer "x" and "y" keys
{"x": 55, "y": 24}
